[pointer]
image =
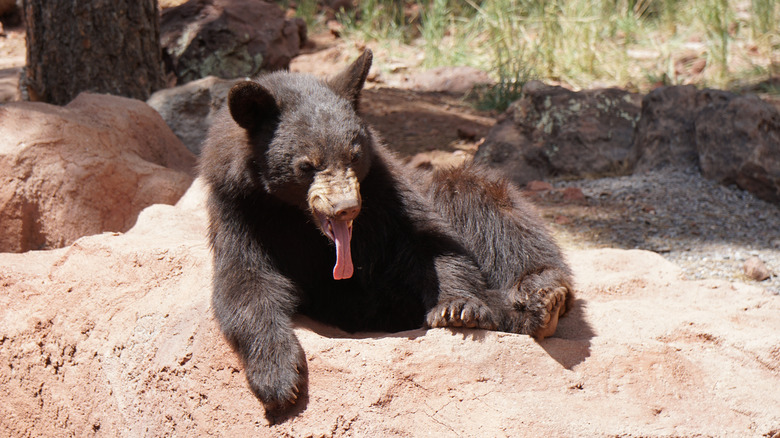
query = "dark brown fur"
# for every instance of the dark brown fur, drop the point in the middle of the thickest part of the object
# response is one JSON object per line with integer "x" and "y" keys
{"x": 510, "y": 244}
{"x": 466, "y": 252}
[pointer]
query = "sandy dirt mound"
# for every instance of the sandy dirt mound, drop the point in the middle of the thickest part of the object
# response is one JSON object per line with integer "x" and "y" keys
{"x": 114, "y": 336}
{"x": 85, "y": 168}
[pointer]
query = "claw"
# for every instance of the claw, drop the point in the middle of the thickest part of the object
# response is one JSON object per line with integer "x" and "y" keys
{"x": 462, "y": 313}
{"x": 468, "y": 317}
{"x": 561, "y": 303}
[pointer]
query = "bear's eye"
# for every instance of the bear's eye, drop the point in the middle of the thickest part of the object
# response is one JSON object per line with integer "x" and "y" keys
{"x": 305, "y": 166}
{"x": 355, "y": 154}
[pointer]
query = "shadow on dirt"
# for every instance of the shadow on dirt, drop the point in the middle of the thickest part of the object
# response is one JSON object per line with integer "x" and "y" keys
{"x": 412, "y": 122}
{"x": 570, "y": 345}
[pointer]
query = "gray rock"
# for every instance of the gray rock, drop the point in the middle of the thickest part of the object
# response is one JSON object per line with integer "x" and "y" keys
{"x": 228, "y": 38}
{"x": 665, "y": 134}
{"x": 732, "y": 139}
{"x": 552, "y": 131}
{"x": 188, "y": 109}
{"x": 739, "y": 143}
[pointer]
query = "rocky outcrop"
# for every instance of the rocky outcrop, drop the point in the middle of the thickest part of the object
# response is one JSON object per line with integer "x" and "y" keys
{"x": 228, "y": 38}
{"x": 553, "y": 131}
{"x": 190, "y": 108}
{"x": 114, "y": 336}
{"x": 733, "y": 139}
{"x": 86, "y": 168}
{"x": 666, "y": 132}
{"x": 738, "y": 142}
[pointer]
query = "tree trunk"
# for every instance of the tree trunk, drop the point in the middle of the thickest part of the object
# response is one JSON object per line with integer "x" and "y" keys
{"x": 103, "y": 46}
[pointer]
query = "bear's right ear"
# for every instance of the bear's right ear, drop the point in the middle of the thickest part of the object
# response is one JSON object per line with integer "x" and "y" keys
{"x": 350, "y": 82}
{"x": 252, "y": 106}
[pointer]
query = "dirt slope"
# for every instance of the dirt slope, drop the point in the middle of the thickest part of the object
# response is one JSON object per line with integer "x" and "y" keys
{"x": 113, "y": 336}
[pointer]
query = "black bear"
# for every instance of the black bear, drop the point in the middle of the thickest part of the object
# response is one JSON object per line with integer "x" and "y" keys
{"x": 309, "y": 212}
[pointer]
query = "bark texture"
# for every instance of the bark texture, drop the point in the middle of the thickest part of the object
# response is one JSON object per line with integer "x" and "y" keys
{"x": 102, "y": 46}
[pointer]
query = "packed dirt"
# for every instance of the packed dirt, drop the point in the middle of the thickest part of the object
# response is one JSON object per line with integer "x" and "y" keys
{"x": 113, "y": 335}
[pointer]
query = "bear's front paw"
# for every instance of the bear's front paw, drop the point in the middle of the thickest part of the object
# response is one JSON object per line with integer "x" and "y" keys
{"x": 538, "y": 312}
{"x": 278, "y": 380}
{"x": 462, "y": 312}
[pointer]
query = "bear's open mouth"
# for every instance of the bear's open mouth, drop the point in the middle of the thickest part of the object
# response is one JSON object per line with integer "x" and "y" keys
{"x": 334, "y": 201}
{"x": 340, "y": 232}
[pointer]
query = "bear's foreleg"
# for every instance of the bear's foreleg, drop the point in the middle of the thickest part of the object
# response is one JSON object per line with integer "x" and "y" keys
{"x": 254, "y": 305}
{"x": 255, "y": 316}
{"x": 458, "y": 303}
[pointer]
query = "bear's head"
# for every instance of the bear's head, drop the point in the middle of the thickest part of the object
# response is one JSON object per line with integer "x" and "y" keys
{"x": 309, "y": 146}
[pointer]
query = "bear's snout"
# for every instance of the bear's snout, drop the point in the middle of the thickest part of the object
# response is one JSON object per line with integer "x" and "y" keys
{"x": 335, "y": 195}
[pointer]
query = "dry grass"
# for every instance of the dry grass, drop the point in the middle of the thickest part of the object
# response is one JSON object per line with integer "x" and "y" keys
{"x": 634, "y": 44}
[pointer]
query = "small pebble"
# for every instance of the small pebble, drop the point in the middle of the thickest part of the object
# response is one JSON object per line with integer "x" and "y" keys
{"x": 756, "y": 269}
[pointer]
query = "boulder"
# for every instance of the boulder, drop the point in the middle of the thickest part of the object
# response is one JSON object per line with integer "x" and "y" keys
{"x": 665, "y": 135}
{"x": 731, "y": 138}
{"x": 228, "y": 38}
{"x": 189, "y": 109}
{"x": 114, "y": 336}
{"x": 738, "y": 142}
{"x": 86, "y": 168}
{"x": 552, "y": 131}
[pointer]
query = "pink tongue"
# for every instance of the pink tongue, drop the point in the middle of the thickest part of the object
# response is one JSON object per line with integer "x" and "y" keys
{"x": 342, "y": 234}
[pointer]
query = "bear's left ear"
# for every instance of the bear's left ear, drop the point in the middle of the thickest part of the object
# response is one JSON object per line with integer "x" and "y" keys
{"x": 349, "y": 82}
{"x": 252, "y": 106}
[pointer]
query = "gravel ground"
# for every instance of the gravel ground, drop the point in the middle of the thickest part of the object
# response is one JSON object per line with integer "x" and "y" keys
{"x": 708, "y": 229}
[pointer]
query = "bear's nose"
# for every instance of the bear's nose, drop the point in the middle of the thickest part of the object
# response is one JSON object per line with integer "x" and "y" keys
{"x": 346, "y": 211}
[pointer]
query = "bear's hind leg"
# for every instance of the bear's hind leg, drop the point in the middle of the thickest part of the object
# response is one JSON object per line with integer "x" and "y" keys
{"x": 514, "y": 250}
{"x": 537, "y": 302}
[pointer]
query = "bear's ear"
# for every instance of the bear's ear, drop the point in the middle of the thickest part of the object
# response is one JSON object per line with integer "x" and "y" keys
{"x": 252, "y": 106}
{"x": 349, "y": 82}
